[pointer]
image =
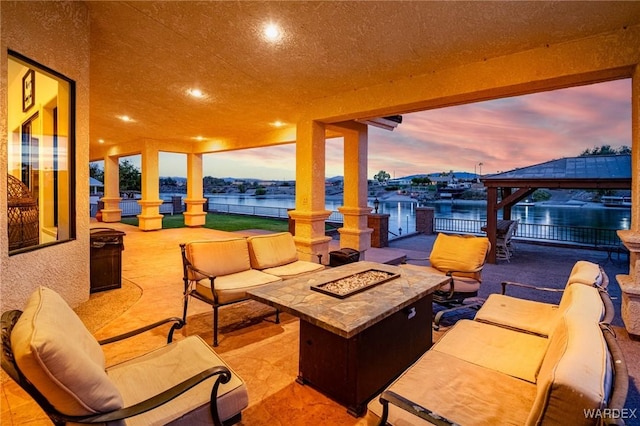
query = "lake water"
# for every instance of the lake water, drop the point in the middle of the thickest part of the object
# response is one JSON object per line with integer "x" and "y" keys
{"x": 402, "y": 214}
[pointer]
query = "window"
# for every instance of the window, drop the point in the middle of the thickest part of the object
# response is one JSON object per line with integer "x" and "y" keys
{"x": 41, "y": 154}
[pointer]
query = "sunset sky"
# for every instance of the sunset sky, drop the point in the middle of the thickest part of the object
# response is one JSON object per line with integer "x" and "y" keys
{"x": 501, "y": 134}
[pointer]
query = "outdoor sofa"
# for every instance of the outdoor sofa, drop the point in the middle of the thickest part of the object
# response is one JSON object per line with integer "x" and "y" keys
{"x": 220, "y": 272}
{"x": 483, "y": 373}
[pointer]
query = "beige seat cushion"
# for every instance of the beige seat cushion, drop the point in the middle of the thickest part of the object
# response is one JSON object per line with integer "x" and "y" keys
{"x": 519, "y": 314}
{"x": 537, "y": 317}
{"x": 233, "y": 287}
{"x": 461, "y": 284}
{"x": 294, "y": 269}
{"x": 510, "y": 352}
{"x": 56, "y": 352}
{"x": 218, "y": 257}
{"x": 575, "y": 375}
{"x": 271, "y": 250}
{"x": 461, "y": 392}
{"x": 145, "y": 376}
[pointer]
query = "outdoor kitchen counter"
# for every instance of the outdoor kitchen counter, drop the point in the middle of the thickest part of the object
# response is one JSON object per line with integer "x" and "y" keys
{"x": 349, "y": 316}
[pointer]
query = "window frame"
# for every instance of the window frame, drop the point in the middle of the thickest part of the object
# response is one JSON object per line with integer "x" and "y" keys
{"x": 71, "y": 151}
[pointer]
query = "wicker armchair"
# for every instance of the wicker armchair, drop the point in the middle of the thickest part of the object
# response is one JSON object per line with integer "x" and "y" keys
{"x": 22, "y": 215}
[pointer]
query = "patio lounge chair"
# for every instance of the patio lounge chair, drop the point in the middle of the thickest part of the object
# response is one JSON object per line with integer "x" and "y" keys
{"x": 48, "y": 352}
{"x": 504, "y": 244}
{"x": 462, "y": 258}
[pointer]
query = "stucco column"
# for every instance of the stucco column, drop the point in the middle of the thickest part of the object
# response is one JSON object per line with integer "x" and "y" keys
{"x": 310, "y": 213}
{"x": 194, "y": 216}
{"x": 355, "y": 232}
{"x": 630, "y": 284}
{"x": 150, "y": 218}
{"x": 111, "y": 199}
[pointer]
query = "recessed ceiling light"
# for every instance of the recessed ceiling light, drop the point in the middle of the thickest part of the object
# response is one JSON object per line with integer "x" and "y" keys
{"x": 272, "y": 32}
{"x": 196, "y": 93}
{"x": 277, "y": 123}
{"x": 126, "y": 118}
{"x": 100, "y": 140}
{"x": 198, "y": 138}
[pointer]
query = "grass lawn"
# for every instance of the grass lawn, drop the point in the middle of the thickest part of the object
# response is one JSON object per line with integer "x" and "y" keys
{"x": 222, "y": 222}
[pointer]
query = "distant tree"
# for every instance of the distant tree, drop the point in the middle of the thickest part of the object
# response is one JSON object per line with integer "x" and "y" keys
{"x": 382, "y": 176}
{"x": 130, "y": 177}
{"x": 540, "y": 195}
{"x": 421, "y": 181}
{"x": 242, "y": 188}
{"x": 168, "y": 181}
{"x": 96, "y": 172}
{"x": 624, "y": 149}
{"x": 261, "y": 191}
{"x": 605, "y": 150}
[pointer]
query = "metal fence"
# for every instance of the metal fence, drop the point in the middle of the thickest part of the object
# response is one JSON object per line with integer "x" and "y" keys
{"x": 276, "y": 212}
{"x": 578, "y": 235}
{"x": 132, "y": 208}
{"x": 586, "y": 236}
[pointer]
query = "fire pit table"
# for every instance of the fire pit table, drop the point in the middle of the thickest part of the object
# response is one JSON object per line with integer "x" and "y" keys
{"x": 361, "y": 325}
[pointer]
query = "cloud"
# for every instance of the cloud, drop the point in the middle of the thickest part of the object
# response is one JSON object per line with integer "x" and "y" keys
{"x": 501, "y": 134}
{"x": 507, "y": 133}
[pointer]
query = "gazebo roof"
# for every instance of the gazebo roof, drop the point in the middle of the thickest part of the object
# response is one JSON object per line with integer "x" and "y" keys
{"x": 95, "y": 182}
{"x": 594, "y": 171}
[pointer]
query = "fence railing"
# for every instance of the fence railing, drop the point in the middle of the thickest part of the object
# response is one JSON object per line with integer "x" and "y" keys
{"x": 277, "y": 212}
{"x": 581, "y": 235}
{"x": 132, "y": 208}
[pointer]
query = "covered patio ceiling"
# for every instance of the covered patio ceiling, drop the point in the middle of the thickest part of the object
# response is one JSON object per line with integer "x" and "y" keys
{"x": 504, "y": 190}
{"x": 145, "y": 56}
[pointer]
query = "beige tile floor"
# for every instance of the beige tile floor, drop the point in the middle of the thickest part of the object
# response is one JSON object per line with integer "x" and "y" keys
{"x": 263, "y": 353}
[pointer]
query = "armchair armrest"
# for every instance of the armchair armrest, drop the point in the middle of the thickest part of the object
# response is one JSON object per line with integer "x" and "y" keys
{"x": 528, "y": 286}
{"x": 411, "y": 407}
{"x": 450, "y": 273}
{"x": 200, "y": 271}
{"x": 178, "y": 324}
{"x": 620, "y": 386}
{"x": 422, "y": 259}
{"x": 223, "y": 373}
{"x": 212, "y": 278}
{"x": 452, "y": 283}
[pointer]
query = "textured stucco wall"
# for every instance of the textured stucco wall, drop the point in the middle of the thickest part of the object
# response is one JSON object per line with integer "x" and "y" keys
{"x": 55, "y": 34}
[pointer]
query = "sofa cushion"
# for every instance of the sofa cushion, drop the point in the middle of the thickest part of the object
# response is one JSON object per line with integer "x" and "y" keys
{"x": 218, "y": 257}
{"x": 519, "y": 314}
{"x": 459, "y": 253}
{"x": 56, "y": 352}
{"x": 294, "y": 269}
{"x": 575, "y": 374}
{"x": 462, "y": 392}
{"x": 153, "y": 372}
{"x": 233, "y": 287}
{"x": 516, "y": 354}
{"x": 537, "y": 317}
{"x": 271, "y": 250}
{"x": 583, "y": 300}
{"x": 584, "y": 272}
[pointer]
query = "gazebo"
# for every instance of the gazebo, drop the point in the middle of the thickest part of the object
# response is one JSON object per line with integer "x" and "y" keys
{"x": 586, "y": 172}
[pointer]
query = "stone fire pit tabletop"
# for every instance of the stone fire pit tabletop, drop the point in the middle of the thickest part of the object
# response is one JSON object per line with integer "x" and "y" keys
{"x": 349, "y": 316}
